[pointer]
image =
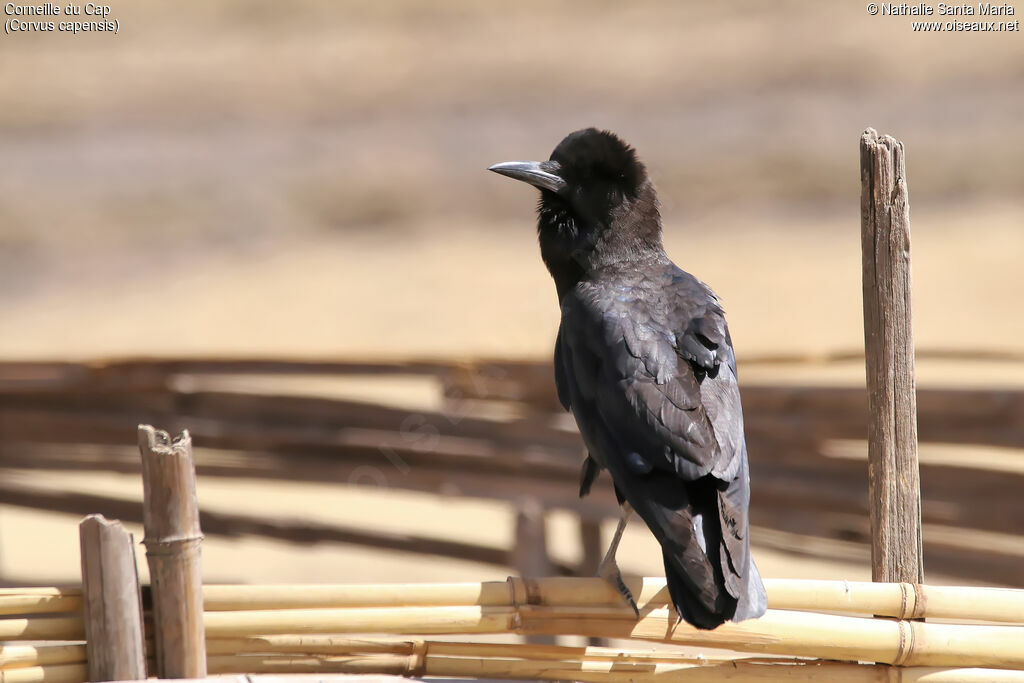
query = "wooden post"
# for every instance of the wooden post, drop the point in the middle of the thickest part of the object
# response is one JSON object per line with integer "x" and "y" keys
{"x": 171, "y": 519}
{"x": 592, "y": 546}
{"x": 530, "y": 552}
{"x": 894, "y": 478}
{"x": 114, "y": 638}
{"x": 593, "y": 551}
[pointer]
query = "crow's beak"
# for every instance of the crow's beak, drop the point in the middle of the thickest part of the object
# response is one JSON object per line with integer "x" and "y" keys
{"x": 542, "y": 174}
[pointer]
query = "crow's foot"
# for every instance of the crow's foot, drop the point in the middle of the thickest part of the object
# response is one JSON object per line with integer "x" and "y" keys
{"x": 609, "y": 571}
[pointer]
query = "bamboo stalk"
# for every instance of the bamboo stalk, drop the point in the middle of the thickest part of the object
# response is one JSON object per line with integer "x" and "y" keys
{"x": 749, "y": 672}
{"x": 420, "y": 620}
{"x": 554, "y": 652}
{"x": 231, "y": 598}
{"x": 395, "y": 665}
{"x": 779, "y": 632}
{"x": 43, "y": 628}
{"x": 310, "y": 645}
{"x": 52, "y": 673}
{"x": 526, "y": 662}
{"x": 45, "y": 600}
{"x": 171, "y": 519}
{"x": 804, "y": 634}
{"x": 601, "y": 671}
{"x": 902, "y": 600}
{"x": 884, "y": 599}
{"x": 18, "y": 656}
{"x": 338, "y": 646}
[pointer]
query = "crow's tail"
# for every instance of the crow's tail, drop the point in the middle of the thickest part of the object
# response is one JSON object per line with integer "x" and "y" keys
{"x": 688, "y": 604}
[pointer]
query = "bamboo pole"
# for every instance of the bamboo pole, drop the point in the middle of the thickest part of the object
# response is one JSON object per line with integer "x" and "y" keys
{"x": 171, "y": 519}
{"x": 51, "y": 673}
{"x": 902, "y": 600}
{"x": 779, "y": 632}
{"x": 306, "y": 654}
{"x": 42, "y": 628}
{"x": 804, "y": 634}
{"x": 601, "y": 671}
{"x": 529, "y": 553}
{"x": 112, "y": 602}
{"x": 18, "y": 656}
{"x": 807, "y": 671}
{"x": 39, "y": 600}
{"x": 310, "y": 645}
{"x": 421, "y": 620}
{"x": 394, "y": 665}
{"x": 337, "y": 646}
{"x": 510, "y": 661}
{"x": 894, "y": 476}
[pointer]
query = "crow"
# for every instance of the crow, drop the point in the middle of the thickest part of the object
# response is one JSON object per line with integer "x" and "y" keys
{"x": 645, "y": 363}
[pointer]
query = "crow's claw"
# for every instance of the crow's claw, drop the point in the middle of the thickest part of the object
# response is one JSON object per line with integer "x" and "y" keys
{"x": 609, "y": 571}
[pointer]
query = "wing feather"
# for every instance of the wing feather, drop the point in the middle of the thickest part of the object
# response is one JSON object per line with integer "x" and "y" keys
{"x": 653, "y": 388}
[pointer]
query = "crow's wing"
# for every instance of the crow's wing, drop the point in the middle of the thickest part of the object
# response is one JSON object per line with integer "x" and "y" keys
{"x": 646, "y": 365}
{"x": 640, "y": 352}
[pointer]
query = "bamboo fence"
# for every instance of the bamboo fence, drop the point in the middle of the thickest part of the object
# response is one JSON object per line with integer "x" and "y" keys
{"x": 298, "y": 629}
{"x": 813, "y": 630}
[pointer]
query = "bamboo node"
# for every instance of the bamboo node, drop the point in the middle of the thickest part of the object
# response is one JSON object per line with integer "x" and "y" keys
{"x": 920, "y": 600}
{"x": 911, "y": 601}
{"x": 172, "y": 545}
{"x": 515, "y": 587}
{"x": 416, "y": 663}
{"x": 524, "y": 591}
{"x": 906, "y": 643}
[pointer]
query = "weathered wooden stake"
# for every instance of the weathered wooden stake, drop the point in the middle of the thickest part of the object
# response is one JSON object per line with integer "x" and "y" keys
{"x": 171, "y": 519}
{"x": 114, "y": 637}
{"x": 530, "y": 549}
{"x": 593, "y": 552}
{"x": 593, "y": 546}
{"x": 894, "y": 478}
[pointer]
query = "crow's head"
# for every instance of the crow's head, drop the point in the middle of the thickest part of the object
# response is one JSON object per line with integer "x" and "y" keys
{"x": 597, "y": 205}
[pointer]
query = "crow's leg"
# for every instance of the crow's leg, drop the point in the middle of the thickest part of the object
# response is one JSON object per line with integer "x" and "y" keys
{"x": 609, "y": 569}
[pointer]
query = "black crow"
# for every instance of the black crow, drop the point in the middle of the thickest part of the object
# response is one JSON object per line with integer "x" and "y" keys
{"x": 645, "y": 363}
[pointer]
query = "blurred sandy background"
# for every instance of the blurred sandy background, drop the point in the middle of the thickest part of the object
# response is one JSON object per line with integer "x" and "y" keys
{"x": 307, "y": 178}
